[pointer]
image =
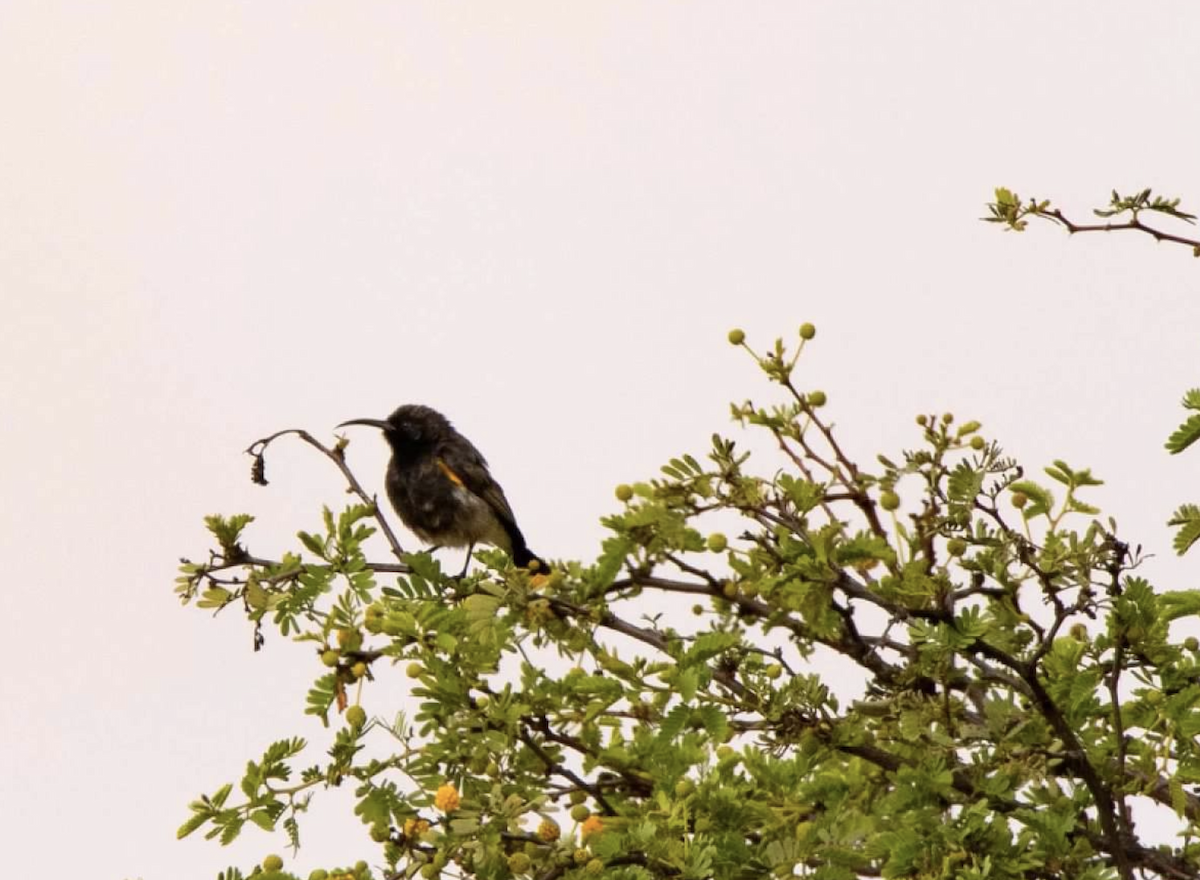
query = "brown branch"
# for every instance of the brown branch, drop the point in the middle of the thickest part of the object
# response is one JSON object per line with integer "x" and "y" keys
{"x": 258, "y": 449}
{"x": 553, "y": 766}
{"x": 1134, "y": 225}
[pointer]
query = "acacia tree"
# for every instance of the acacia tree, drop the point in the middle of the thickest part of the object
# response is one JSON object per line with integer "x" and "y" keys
{"x": 1016, "y": 693}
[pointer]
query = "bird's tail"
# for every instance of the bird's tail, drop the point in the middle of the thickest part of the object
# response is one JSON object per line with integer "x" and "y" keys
{"x": 526, "y": 558}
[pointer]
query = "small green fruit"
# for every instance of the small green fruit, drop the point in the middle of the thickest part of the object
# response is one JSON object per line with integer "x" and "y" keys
{"x": 724, "y": 751}
{"x": 697, "y": 610}
{"x": 736, "y": 337}
{"x": 624, "y": 492}
{"x": 729, "y": 590}
{"x": 429, "y": 871}
{"x": 272, "y": 863}
{"x": 359, "y": 669}
{"x": 579, "y": 812}
{"x": 717, "y": 542}
{"x": 807, "y": 331}
{"x": 319, "y": 874}
{"x": 947, "y": 418}
{"x": 519, "y": 863}
{"x": 1191, "y": 643}
{"x": 1019, "y": 500}
{"x": 684, "y": 787}
{"x": 356, "y": 716}
{"x": 594, "y": 867}
{"x": 922, "y": 420}
{"x": 817, "y": 398}
{"x": 956, "y": 546}
{"x": 773, "y": 671}
{"x": 414, "y": 670}
{"x": 978, "y": 442}
{"x": 380, "y": 833}
{"x": 330, "y": 657}
{"x": 889, "y": 500}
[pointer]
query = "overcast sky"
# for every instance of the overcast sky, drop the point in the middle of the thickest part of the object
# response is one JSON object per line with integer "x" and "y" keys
{"x": 219, "y": 219}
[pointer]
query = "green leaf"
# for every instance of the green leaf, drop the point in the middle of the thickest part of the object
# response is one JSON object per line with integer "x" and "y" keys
{"x": 312, "y": 543}
{"x": 214, "y": 597}
{"x": 1180, "y": 603}
{"x": 191, "y": 825}
{"x": 1040, "y": 499}
{"x": 1187, "y": 520}
{"x": 263, "y": 820}
{"x": 1184, "y": 436}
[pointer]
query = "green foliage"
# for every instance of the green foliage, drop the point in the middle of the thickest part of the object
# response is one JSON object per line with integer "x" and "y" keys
{"x": 1186, "y": 518}
{"x": 1007, "y": 687}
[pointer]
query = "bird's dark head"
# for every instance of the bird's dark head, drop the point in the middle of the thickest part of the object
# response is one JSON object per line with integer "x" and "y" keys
{"x": 411, "y": 428}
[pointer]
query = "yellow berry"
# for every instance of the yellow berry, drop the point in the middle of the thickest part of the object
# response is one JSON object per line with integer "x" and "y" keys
{"x": 729, "y": 589}
{"x": 548, "y": 830}
{"x": 579, "y": 812}
{"x": 922, "y": 421}
{"x": 624, "y": 492}
{"x": 889, "y": 500}
{"x": 578, "y": 796}
{"x": 330, "y": 657}
{"x": 359, "y": 669}
{"x": 773, "y": 671}
{"x": 817, "y": 398}
{"x": 807, "y": 331}
{"x": 272, "y": 863}
{"x": 956, "y": 546}
{"x": 736, "y": 337}
{"x": 717, "y": 542}
{"x": 978, "y": 442}
{"x": 356, "y": 716}
{"x": 414, "y": 670}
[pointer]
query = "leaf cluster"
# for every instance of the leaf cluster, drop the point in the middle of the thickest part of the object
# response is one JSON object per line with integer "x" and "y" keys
{"x": 930, "y": 667}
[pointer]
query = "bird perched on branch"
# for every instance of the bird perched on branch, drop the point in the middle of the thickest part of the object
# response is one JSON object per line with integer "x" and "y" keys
{"x": 440, "y": 486}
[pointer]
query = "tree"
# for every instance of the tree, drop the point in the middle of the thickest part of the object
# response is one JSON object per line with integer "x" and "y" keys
{"x": 1018, "y": 692}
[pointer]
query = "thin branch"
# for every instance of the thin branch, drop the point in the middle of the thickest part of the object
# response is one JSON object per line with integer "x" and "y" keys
{"x": 258, "y": 449}
{"x": 1134, "y": 225}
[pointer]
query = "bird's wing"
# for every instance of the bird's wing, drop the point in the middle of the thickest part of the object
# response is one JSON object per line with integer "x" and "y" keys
{"x": 462, "y": 463}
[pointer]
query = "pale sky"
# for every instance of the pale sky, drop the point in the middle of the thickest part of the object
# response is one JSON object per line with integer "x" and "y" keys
{"x": 221, "y": 219}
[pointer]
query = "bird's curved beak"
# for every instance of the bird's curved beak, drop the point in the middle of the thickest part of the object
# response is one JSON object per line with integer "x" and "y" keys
{"x": 370, "y": 423}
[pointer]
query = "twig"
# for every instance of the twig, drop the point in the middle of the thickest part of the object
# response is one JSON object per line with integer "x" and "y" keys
{"x": 258, "y": 449}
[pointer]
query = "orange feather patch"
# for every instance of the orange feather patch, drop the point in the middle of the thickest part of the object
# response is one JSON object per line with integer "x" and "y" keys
{"x": 454, "y": 478}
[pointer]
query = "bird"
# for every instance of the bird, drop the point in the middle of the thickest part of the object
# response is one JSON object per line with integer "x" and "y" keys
{"x": 441, "y": 488}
